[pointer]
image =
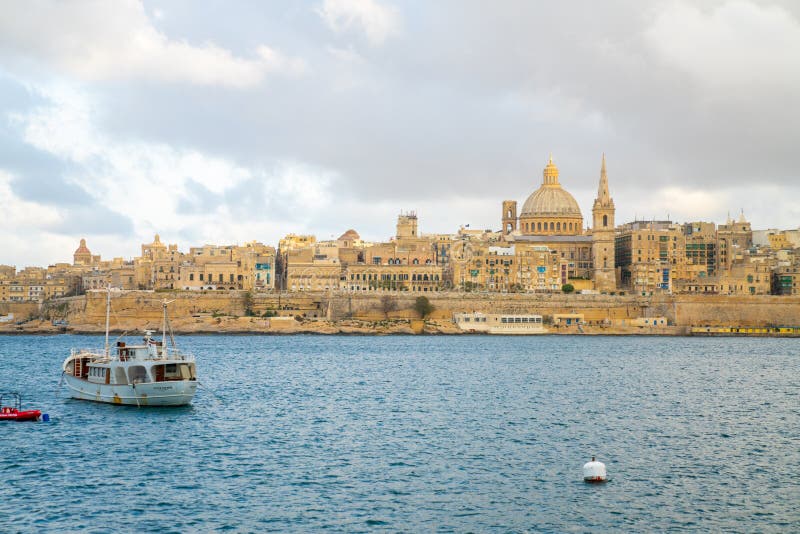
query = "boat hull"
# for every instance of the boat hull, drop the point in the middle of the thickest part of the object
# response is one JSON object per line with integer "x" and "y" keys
{"x": 173, "y": 393}
{"x": 22, "y": 415}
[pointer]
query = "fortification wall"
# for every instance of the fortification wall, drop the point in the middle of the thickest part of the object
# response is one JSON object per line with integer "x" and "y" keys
{"x": 137, "y": 307}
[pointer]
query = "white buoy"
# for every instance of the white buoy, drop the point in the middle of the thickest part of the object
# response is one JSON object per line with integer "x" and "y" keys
{"x": 594, "y": 471}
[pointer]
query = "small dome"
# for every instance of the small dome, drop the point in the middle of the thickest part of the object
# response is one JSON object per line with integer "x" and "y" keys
{"x": 82, "y": 249}
{"x": 548, "y": 201}
{"x": 350, "y": 235}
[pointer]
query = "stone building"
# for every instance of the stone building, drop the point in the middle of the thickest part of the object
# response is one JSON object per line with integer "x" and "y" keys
{"x": 233, "y": 267}
{"x": 406, "y": 263}
{"x": 649, "y": 255}
{"x": 734, "y": 238}
{"x": 551, "y": 218}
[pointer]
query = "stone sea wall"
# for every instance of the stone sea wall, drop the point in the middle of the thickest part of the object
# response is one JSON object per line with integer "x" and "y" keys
{"x": 246, "y": 311}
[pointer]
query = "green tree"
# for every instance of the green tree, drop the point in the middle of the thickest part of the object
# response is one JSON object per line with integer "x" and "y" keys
{"x": 423, "y": 306}
{"x": 388, "y": 304}
{"x": 567, "y": 288}
{"x": 247, "y": 302}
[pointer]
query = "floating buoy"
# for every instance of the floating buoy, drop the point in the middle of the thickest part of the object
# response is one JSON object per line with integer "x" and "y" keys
{"x": 594, "y": 471}
{"x": 45, "y": 417}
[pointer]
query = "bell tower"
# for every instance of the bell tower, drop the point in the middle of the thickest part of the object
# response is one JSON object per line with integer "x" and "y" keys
{"x": 509, "y": 216}
{"x": 603, "y": 236}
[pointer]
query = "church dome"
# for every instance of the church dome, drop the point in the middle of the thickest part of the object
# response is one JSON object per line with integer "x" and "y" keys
{"x": 550, "y": 200}
{"x": 350, "y": 235}
{"x": 550, "y": 210}
{"x": 82, "y": 249}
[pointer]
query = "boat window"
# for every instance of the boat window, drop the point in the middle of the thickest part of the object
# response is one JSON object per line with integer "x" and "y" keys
{"x": 186, "y": 372}
{"x": 119, "y": 376}
{"x": 137, "y": 374}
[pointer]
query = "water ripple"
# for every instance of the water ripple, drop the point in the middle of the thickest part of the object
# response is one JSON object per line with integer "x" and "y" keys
{"x": 359, "y": 434}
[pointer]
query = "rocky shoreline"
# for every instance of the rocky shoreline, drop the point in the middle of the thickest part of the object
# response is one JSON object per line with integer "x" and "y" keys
{"x": 260, "y": 326}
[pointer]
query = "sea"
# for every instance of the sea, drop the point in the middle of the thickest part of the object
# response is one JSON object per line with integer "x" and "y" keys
{"x": 416, "y": 434}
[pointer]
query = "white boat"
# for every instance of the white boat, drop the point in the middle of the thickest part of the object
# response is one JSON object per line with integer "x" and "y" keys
{"x": 149, "y": 374}
{"x": 500, "y": 323}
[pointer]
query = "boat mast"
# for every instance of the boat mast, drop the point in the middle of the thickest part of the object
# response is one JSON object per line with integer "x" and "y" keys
{"x": 108, "y": 317}
{"x": 164, "y": 328}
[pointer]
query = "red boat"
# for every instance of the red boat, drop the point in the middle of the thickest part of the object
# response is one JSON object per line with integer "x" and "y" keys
{"x": 14, "y": 411}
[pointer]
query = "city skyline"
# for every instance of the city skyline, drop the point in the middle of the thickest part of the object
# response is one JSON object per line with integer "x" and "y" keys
{"x": 124, "y": 121}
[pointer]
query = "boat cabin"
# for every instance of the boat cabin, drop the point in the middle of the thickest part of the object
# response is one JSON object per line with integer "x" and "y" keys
{"x": 134, "y": 364}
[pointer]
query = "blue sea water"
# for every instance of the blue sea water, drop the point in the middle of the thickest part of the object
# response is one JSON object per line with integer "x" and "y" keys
{"x": 480, "y": 434}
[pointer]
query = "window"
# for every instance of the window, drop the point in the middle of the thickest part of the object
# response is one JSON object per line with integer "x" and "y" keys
{"x": 605, "y": 220}
{"x": 191, "y": 277}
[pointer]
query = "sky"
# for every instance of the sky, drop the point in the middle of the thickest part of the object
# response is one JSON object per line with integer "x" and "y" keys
{"x": 227, "y": 122}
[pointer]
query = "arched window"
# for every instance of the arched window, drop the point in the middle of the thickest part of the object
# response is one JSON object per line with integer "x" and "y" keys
{"x": 539, "y": 225}
{"x": 416, "y": 261}
{"x": 605, "y": 220}
{"x": 508, "y": 216}
{"x": 570, "y": 227}
{"x": 552, "y": 226}
{"x": 558, "y": 226}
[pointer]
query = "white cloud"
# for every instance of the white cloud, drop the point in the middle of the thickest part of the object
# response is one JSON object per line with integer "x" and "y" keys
{"x": 150, "y": 184}
{"x": 20, "y": 214}
{"x": 677, "y": 203}
{"x": 116, "y": 40}
{"x": 738, "y": 42}
{"x": 377, "y": 21}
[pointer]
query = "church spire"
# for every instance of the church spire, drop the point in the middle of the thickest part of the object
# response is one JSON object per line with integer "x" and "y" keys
{"x": 603, "y": 236}
{"x": 603, "y": 197}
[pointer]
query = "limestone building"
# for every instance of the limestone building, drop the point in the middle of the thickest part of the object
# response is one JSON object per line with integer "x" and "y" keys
{"x": 551, "y": 218}
{"x": 649, "y": 255}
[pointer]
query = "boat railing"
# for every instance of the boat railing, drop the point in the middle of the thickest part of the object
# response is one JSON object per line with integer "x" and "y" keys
{"x": 176, "y": 354}
{"x": 87, "y": 353}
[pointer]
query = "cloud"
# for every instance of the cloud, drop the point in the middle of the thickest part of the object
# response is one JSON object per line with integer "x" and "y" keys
{"x": 736, "y": 44}
{"x": 448, "y": 107}
{"x": 98, "y": 41}
{"x": 136, "y": 188}
{"x": 377, "y": 21}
